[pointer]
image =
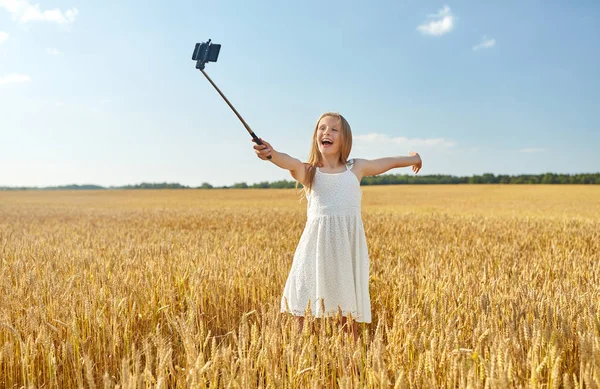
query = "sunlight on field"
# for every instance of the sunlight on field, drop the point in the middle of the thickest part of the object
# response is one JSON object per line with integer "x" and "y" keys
{"x": 471, "y": 286}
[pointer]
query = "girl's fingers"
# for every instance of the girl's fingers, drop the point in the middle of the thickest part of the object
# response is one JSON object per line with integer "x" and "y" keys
{"x": 262, "y": 151}
{"x": 262, "y": 154}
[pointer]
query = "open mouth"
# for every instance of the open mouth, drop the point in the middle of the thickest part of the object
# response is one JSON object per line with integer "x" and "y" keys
{"x": 326, "y": 142}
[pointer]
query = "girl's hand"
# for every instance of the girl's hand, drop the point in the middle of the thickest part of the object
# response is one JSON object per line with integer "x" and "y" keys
{"x": 263, "y": 151}
{"x": 417, "y": 166}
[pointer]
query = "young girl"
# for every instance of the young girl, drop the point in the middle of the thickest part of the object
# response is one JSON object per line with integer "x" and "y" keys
{"x": 330, "y": 270}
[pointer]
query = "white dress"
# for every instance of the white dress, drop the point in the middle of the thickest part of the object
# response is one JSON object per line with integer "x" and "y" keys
{"x": 331, "y": 263}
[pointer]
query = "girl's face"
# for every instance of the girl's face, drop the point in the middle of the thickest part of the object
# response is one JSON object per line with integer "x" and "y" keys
{"x": 329, "y": 139}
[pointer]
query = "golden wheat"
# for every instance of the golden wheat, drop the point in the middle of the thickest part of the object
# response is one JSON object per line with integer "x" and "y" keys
{"x": 471, "y": 286}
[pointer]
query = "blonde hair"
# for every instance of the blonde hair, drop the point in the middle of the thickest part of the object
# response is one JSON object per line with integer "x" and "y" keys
{"x": 315, "y": 158}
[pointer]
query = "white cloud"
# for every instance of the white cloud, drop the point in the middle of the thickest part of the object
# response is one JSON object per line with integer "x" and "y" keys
{"x": 375, "y": 145}
{"x": 3, "y": 37}
{"x": 400, "y": 141}
{"x": 52, "y": 51}
{"x": 24, "y": 12}
{"x": 485, "y": 43}
{"x": 442, "y": 23}
{"x": 60, "y": 103}
{"x": 532, "y": 150}
{"x": 14, "y": 78}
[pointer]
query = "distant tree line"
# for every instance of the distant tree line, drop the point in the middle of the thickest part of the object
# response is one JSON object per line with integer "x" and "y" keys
{"x": 144, "y": 185}
{"x": 385, "y": 179}
{"x": 487, "y": 178}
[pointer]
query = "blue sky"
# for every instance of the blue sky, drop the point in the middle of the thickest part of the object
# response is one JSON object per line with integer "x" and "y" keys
{"x": 107, "y": 93}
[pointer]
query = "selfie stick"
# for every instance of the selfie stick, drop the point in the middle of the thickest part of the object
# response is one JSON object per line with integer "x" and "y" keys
{"x": 209, "y": 52}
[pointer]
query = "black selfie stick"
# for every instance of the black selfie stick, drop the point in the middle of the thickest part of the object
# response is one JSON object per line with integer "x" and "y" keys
{"x": 209, "y": 52}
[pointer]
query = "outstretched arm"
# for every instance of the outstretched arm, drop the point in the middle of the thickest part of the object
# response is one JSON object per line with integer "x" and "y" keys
{"x": 365, "y": 167}
{"x": 295, "y": 166}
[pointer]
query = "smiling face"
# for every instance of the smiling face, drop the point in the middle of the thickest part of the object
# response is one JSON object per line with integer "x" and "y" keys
{"x": 332, "y": 137}
{"x": 328, "y": 135}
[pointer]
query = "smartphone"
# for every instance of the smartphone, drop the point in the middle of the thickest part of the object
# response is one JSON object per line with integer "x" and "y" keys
{"x": 206, "y": 52}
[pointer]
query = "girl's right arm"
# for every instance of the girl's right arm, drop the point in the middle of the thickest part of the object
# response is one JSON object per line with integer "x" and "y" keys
{"x": 284, "y": 161}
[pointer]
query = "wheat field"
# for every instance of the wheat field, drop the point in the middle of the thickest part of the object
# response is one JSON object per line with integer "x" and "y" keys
{"x": 481, "y": 286}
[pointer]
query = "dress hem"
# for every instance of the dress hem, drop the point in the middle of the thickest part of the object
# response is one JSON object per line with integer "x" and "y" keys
{"x": 330, "y": 314}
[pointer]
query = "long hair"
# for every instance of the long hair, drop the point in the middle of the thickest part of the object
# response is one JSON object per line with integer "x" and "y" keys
{"x": 315, "y": 158}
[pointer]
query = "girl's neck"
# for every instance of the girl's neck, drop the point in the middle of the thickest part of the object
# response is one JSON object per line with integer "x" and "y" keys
{"x": 331, "y": 163}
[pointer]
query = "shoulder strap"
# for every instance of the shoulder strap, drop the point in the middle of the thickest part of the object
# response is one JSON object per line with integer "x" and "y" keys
{"x": 349, "y": 164}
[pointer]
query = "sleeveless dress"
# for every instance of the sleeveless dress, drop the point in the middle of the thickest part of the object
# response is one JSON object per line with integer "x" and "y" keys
{"x": 331, "y": 263}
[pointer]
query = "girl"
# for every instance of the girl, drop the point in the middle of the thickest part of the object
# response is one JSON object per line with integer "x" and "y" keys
{"x": 330, "y": 270}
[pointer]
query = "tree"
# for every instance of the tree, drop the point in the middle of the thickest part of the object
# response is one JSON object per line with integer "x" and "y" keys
{"x": 548, "y": 178}
{"x": 488, "y": 178}
{"x": 263, "y": 184}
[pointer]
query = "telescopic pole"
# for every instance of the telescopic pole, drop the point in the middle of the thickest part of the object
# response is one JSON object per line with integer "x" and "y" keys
{"x": 256, "y": 139}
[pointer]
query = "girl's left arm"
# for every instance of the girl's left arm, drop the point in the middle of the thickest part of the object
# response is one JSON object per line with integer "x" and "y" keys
{"x": 372, "y": 167}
